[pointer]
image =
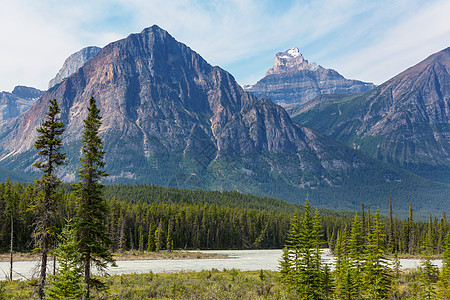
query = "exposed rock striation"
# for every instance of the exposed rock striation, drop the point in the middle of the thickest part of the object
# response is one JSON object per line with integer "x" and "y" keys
{"x": 73, "y": 63}
{"x": 293, "y": 80}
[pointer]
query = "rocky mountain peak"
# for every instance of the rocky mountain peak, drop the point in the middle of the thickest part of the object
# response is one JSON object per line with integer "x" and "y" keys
{"x": 290, "y": 60}
{"x": 73, "y": 63}
{"x": 293, "y": 80}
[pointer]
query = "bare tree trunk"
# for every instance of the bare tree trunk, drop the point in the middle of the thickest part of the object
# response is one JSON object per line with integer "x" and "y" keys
{"x": 87, "y": 278}
{"x": 54, "y": 264}
{"x": 43, "y": 266}
{"x": 11, "y": 250}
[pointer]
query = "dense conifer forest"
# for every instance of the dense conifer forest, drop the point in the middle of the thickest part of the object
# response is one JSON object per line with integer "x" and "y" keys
{"x": 139, "y": 216}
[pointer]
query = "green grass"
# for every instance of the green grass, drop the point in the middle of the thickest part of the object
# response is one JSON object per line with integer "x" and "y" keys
{"x": 214, "y": 284}
{"x": 208, "y": 284}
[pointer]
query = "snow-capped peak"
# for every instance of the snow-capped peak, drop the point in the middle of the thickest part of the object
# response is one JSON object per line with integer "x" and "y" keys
{"x": 294, "y": 52}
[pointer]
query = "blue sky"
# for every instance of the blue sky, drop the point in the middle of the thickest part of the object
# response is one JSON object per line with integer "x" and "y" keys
{"x": 366, "y": 40}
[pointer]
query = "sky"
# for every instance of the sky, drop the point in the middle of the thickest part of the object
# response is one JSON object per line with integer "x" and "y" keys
{"x": 361, "y": 39}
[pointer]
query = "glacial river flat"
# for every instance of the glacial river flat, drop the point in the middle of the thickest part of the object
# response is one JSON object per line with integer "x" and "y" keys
{"x": 244, "y": 260}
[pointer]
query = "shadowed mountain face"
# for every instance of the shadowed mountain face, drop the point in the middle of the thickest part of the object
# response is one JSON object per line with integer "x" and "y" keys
{"x": 404, "y": 121}
{"x": 293, "y": 80}
{"x": 170, "y": 118}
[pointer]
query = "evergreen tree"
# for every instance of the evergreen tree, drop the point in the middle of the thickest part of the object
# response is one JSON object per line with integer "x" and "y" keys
{"x": 301, "y": 264}
{"x": 377, "y": 274}
{"x": 428, "y": 277}
{"x": 356, "y": 253}
{"x": 169, "y": 240}
{"x": 286, "y": 268}
{"x": 141, "y": 238}
{"x": 158, "y": 237}
{"x": 68, "y": 281}
{"x": 151, "y": 247}
{"x": 444, "y": 278}
{"x": 10, "y": 199}
{"x": 429, "y": 272}
{"x": 44, "y": 206}
{"x": 346, "y": 286}
{"x": 89, "y": 223}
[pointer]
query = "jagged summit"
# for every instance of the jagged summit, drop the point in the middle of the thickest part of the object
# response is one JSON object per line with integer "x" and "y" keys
{"x": 291, "y": 61}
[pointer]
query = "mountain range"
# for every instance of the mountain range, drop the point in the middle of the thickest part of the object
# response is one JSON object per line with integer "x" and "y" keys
{"x": 170, "y": 118}
{"x": 404, "y": 121}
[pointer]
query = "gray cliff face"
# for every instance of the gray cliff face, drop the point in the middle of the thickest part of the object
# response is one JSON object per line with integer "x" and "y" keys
{"x": 15, "y": 103}
{"x": 73, "y": 63}
{"x": 293, "y": 80}
{"x": 26, "y": 92}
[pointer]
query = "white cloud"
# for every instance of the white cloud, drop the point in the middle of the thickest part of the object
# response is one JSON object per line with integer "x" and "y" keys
{"x": 425, "y": 32}
{"x": 39, "y": 35}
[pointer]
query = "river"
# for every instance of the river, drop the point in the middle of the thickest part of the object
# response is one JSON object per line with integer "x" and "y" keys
{"x": 244, "y": 260}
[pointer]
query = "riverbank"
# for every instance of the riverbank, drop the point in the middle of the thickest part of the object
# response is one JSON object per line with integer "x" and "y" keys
{"x": 128, "y": 255}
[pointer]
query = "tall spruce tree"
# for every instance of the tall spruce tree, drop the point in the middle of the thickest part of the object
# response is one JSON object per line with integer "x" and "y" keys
{"x": 301, "y": 265}
{"x": 444, "y": 278}
{"x": 377, "y": 273}
{"x": 44, "y": 206}
{"x": 89, "y": 223}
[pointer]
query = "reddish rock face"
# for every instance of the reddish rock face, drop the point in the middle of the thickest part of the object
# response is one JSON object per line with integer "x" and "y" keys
{"x": 293, "y": 80}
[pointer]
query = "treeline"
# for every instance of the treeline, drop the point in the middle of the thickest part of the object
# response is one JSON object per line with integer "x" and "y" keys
{"x": 402, "y": 236}
{"x": 150, "y": 226}
{"x": 150, "y": 218}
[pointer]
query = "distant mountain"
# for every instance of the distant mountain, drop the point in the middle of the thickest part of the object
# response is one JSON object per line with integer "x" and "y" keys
{"x": 73, "y": 63}
{"x": 15, "y": 103}
{"x": 170, "y": 118}
{"x": 404, "y": 121}
{"x": 26, "y": 92}
{"x": 293, "y": 80}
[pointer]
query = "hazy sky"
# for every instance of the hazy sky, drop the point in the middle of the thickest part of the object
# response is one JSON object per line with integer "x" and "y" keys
{"x": 366, "y": 40}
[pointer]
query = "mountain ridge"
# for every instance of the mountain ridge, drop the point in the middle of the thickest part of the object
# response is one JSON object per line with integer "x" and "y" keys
{"x": 172, "y": 119}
